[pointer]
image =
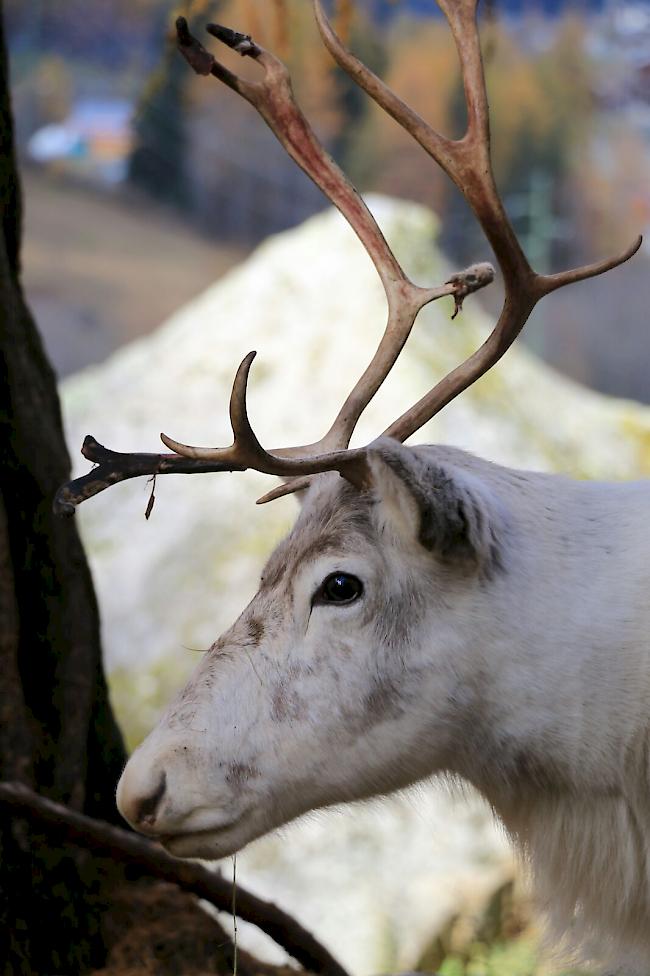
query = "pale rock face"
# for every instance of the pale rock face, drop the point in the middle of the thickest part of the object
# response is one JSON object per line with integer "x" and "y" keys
{"x": 309, "y": 301}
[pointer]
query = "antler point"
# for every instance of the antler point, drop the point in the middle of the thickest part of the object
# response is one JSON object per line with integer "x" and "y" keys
{"x": 242, "y": 43}
{"x": 170, "y": 443}
{"x": 183, "y": 31}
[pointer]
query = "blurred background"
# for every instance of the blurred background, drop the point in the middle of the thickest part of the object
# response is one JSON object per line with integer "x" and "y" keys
{"x": 166, "y": 236}
{"x": 156, "y": 176}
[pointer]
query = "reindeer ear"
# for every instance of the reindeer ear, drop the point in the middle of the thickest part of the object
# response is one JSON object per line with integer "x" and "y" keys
{"x": 446, "y": 509}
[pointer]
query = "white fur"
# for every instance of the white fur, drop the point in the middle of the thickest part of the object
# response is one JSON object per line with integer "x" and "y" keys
{"x": 525, "y": 672}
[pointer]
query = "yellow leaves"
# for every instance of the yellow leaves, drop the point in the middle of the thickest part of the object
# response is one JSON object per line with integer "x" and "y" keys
{"x": 195, "y": 8}
{"x": 518, "y": 100}
{"x": 540, "y": 91}
{"x": 281, "y": 28}
{"x": 343, "y": 18}
{"x": 517, "y": 107}
{"x": 424, "y": 70}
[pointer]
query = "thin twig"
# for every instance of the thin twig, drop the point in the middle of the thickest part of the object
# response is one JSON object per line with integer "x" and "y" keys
{"x": 128, "y": 848}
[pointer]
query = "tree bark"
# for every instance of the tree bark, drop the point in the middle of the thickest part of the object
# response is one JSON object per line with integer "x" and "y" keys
{"x": 64, "y": 904}
{"x": 56, "y": 724}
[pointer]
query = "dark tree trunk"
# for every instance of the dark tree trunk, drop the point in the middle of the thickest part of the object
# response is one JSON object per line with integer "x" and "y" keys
{"x": 69, "y": 908}
{"x": 56, "y": 725}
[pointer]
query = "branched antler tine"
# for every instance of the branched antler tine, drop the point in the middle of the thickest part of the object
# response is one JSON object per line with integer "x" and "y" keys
{"x": 550, "y": 283}
{"x": 512, "y": 320}
{"x": 472, "y": 170}
{"x": 245, "y": 439}
{"x": 282, "y": 114}
{"x": 360, "y": 73}
{"x": 273, "y": 98}
{"x": 245, "y": 450}
{"x": 202, "y": 61}
{"x": 514, "y": 316}
{"x": 402, "y": 314}
{"x": 461, "y": 17}
{"x": 466, "y": 161}
{"x": 288, "y": 488}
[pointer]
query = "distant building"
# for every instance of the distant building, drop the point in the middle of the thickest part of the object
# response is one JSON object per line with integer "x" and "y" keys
{"x": 94, "y": 141}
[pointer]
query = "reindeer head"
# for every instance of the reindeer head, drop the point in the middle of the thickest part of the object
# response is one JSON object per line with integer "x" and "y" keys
{"x": 311, "y": 697}
{"x": 314, "y": 695}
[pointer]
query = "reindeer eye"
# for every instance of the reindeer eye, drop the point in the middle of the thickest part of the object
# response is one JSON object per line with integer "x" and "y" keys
{"x": 339, "y": 588}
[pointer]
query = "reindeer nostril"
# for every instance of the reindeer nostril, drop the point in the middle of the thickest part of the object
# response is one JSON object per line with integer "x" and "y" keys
{"x": 145, "y": 812}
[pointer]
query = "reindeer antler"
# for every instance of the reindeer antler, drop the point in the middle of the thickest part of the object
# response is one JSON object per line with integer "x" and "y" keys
{"x": 274, "y": 99}
{"x": 466, "y": 161}
{"x": 468, "y": 164}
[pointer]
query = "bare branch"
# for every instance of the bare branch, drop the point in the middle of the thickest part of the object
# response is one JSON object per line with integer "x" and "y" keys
{"x": 113, "y": 467}
{"x": 126, "y": 847}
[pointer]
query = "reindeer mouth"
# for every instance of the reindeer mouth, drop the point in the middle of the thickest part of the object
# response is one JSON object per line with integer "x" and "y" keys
{"x": 210, "y": 843}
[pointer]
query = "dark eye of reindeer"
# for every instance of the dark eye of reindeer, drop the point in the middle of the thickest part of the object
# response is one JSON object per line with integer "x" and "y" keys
{"x": 339, "y": 588}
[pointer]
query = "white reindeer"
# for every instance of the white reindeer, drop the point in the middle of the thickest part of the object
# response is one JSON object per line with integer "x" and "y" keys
{"x": 430, "y": 612}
